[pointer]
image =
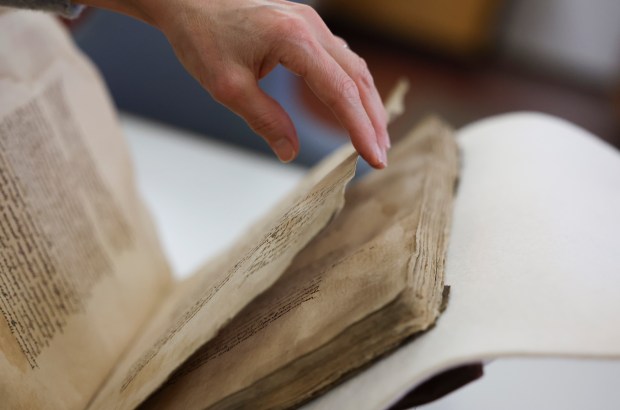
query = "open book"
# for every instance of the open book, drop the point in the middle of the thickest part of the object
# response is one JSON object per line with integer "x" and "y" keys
{"x": 316, "y": 290}
{"x": 91, "y": 316}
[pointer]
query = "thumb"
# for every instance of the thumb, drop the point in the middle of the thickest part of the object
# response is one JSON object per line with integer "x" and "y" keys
{"x": 239, "y": 91}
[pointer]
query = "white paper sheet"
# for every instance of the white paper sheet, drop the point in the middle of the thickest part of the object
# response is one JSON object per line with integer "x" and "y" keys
{"x": 534, "y": 258}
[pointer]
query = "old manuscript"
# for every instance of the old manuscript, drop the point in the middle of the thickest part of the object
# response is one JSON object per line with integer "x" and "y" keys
{"x": 340, "y": 274}
{"x": 90, "y": 315}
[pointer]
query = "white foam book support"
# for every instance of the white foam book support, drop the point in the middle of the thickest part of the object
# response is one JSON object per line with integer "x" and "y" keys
{"x": 533, "y": 260}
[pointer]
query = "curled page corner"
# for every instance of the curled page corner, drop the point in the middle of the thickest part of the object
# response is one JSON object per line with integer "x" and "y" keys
{"x": 395, "y": 103}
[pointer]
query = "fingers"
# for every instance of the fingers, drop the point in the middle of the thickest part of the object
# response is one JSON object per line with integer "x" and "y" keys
{"x": 305, "y": 56}
{"x": 357, "y": 69}
{"x": 295, "y": 36}
{"x": 239, "y": 91}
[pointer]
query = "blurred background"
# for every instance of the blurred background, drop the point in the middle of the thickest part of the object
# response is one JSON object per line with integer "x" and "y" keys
{"x": 465, "y": 59}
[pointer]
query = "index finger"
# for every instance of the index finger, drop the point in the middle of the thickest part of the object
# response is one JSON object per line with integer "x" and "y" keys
{"x": 338, "y": 91}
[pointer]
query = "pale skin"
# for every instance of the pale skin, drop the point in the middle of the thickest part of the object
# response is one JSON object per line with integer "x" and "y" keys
{"x": 228, "y": 45}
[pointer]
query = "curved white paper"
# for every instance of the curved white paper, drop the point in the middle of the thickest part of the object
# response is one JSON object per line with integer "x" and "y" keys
{"x": 533, "y": 260}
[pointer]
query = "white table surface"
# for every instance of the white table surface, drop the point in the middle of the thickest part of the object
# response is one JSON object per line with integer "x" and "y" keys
{"x": 203, "y": 194}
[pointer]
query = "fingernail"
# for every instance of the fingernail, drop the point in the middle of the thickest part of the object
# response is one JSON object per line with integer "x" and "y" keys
{"x": 381, "y": 156}
{"x": 384, "y": 157}
{"x": 284, "y": 150}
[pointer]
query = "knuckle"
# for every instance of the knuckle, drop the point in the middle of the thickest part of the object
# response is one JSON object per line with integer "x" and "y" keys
{"x": 283, "y": 25}
{"x": 342, "y": 42}
{"x": 227, "y": 88}
{"x": 362, "y": 64}
{"x": 265, "y": 124}
{"x": 302, "y": 35}
{"x": 307, "y": 11}
{"x": 363, "y": 75}
{"x": 302, "y": 51}
{"x": 288, "y": 26}
{"x": 346, "y": 92}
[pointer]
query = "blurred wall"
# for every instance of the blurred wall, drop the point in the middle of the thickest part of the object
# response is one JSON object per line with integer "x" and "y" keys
{"x": 578, "y": 38}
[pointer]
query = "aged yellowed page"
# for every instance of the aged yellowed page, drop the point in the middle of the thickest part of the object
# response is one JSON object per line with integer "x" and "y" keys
{"x": 231, "y": 281}
{"x": 80, "y": 267}
{"x": 370, "y": 279}
{"x": 217, "y": 292}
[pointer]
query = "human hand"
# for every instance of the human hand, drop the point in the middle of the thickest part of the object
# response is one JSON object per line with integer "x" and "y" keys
{"x": 228, "y": 45}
